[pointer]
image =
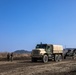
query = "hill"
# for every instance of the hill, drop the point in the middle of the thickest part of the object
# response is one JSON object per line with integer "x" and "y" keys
{"x": 21, "y": 51}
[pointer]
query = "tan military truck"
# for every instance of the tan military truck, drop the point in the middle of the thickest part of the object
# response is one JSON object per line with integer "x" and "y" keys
{"x": 45, "y": 52}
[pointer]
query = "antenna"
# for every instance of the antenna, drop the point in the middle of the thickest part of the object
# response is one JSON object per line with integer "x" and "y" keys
{"x": 65, "y": 46}
{"x": 40, "y": 42}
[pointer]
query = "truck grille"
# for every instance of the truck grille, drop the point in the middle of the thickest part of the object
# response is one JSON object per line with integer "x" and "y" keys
{"x": 36, "y": 52}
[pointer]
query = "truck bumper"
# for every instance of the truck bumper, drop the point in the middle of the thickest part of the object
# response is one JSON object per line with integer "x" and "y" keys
{"x": 37, "y": 56}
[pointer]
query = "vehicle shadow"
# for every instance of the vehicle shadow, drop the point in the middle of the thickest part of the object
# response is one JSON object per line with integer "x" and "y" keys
{"x": 38, "y": 62}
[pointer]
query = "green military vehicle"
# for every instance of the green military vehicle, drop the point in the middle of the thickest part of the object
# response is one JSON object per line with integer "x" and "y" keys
{"x": 45, "y": 52}
{"x": 70, "y": 52}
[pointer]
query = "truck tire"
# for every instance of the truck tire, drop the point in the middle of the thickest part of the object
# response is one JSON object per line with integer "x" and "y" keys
{"x": 33, "y": 59}
{"x": 60, "y": 58}
{"x": 45, "y": 58}
{"x": 56, "y": 58}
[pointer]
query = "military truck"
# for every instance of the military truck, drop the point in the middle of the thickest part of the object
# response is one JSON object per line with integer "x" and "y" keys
{"x": 45, "y": 52}
{"x": 70, "y": 52}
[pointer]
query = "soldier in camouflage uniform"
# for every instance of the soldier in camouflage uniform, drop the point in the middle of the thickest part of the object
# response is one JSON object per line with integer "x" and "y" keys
{"x": 11, "y": 57}
{"x": 8, "y": 57}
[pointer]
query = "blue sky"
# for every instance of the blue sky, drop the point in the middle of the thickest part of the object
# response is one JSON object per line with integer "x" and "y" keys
{"x": 24, "y": 23}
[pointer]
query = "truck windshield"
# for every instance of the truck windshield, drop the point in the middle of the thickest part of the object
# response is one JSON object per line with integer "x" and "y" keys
{"x": 41, "y": 46}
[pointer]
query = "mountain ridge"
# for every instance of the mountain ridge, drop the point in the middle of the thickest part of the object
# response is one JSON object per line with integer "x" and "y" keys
{"x": 21, "y": 51}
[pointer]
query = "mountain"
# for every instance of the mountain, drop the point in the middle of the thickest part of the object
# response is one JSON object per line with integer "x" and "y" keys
{"x": 21, "y": 51}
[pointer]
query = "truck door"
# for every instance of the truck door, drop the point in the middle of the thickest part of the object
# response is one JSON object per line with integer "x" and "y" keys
{"x": 49, "y": 51}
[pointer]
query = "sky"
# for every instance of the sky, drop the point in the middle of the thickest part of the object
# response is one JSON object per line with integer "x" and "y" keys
{"x": 25, "y": 23}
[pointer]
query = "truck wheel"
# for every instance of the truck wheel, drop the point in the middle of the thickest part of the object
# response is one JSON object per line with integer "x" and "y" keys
{"x": 33, "y": 59}
{"x": 56, "y": 58}
{"x": 45, "y": 58}
{"x": 60, "y": 57}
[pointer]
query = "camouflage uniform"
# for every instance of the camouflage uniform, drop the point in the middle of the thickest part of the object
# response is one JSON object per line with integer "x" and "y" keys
{"x": 8, "y": 57}
{"x": 11, "y": 56}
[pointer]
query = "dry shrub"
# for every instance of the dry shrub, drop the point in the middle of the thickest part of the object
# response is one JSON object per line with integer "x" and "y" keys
{"x": 21, "y": 56}
{"x": 3, "y": 56}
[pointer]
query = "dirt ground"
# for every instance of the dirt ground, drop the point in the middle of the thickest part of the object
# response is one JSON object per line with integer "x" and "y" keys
{"x": 26, "y": 67}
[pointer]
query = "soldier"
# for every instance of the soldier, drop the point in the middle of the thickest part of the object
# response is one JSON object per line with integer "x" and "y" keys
{"x": 8, "y": 57}
{"x": 11, "y": 57}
